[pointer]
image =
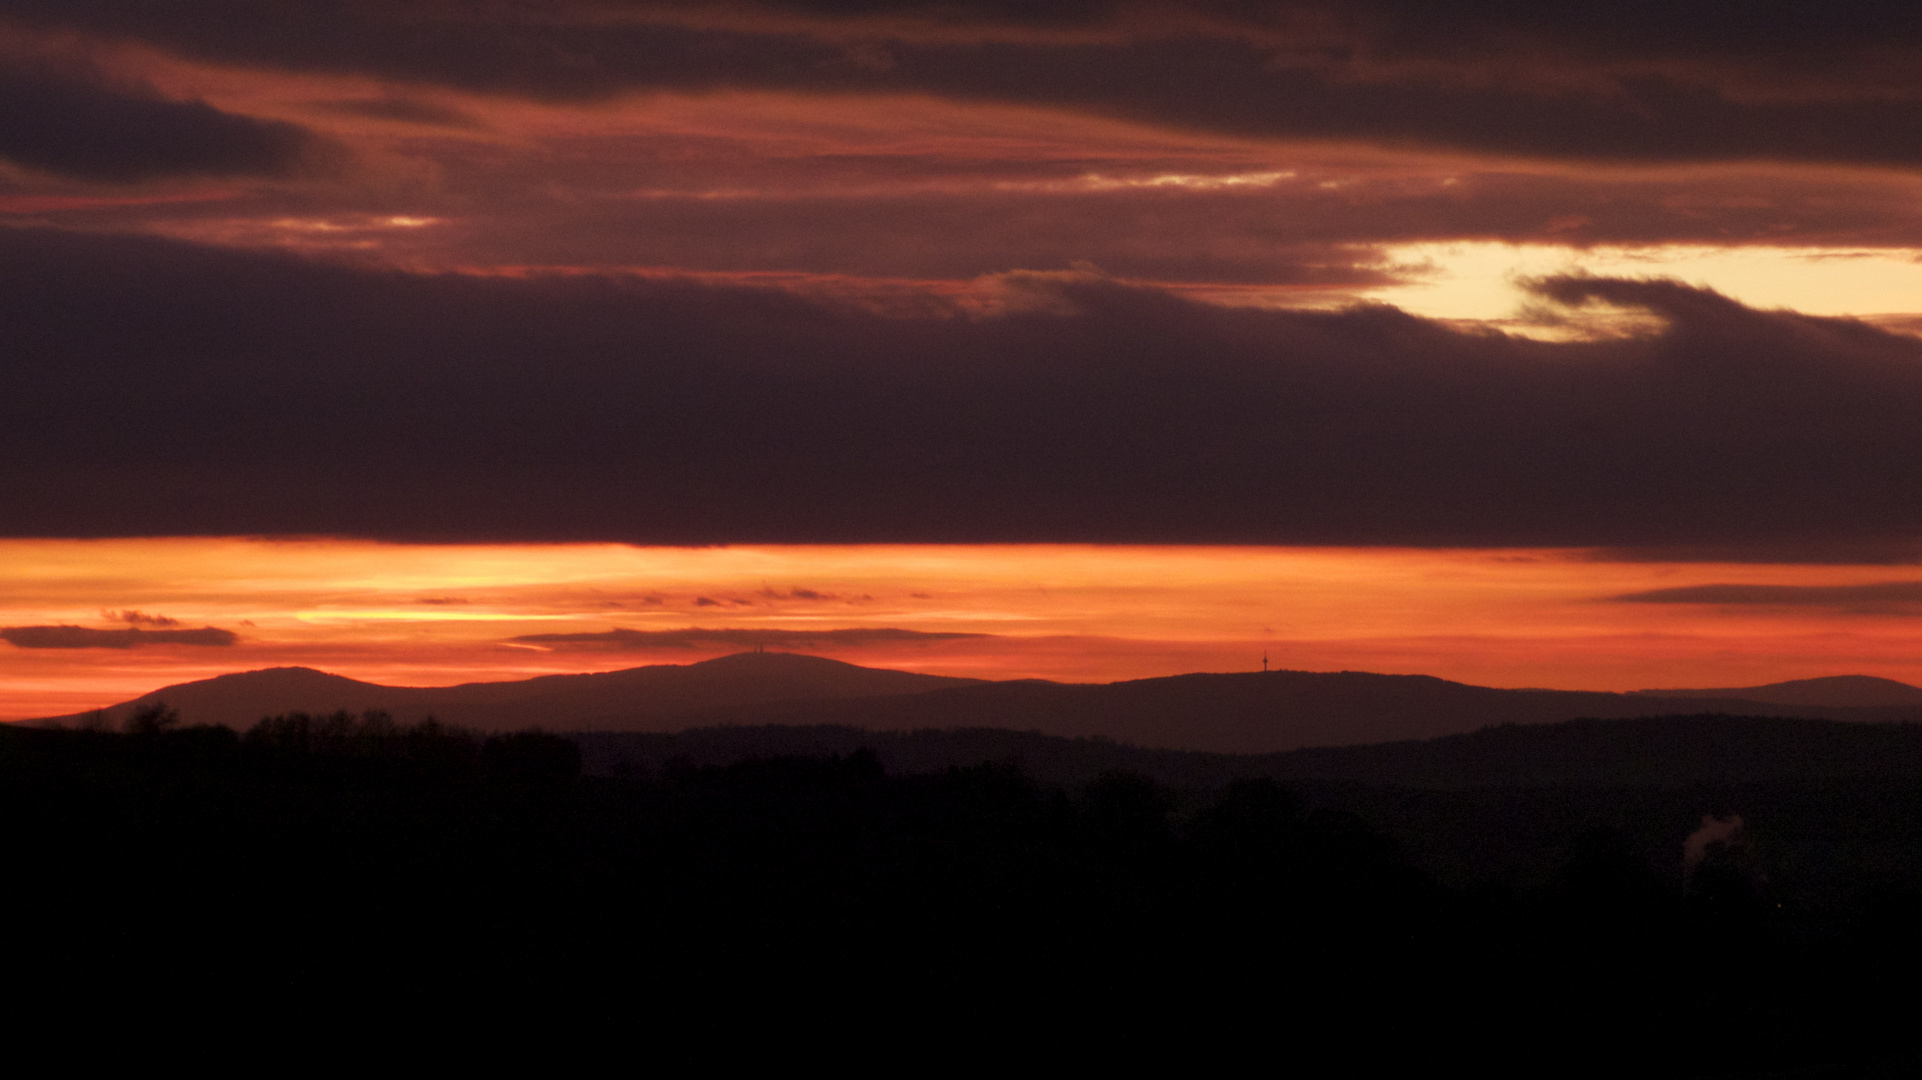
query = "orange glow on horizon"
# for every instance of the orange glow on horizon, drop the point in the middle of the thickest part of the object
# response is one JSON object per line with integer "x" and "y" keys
{"x": 438, "y": 615}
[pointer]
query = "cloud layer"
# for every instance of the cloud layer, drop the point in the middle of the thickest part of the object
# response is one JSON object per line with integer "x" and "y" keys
{"x": 83, "y": 637}
{"x": 159, "y": 388}
{"x": 1876, "y": 595}
{"x": 1285, "y": 150}
{"x": 1645, "y": 82}
{"x": 74, "y": 122}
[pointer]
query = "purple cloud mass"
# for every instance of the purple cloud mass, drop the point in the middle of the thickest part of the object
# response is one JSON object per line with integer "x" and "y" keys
{"x": 1877, "y": 595}
{"x": 76, "y": 123}
{"x": 1636, "y": 81}
{"x": 140, "y": 618}
{"x": 158, "y": 388}
{"x": 82, "y": 637}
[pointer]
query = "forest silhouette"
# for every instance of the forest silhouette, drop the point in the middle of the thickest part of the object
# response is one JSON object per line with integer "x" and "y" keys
{"x": 347, "y": 856}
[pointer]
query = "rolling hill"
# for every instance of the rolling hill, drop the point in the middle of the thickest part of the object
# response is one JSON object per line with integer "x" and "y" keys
{"x": 644, "y": 698}
{"x": 1654, "y": 752}
{"x": 1835, "y": 691}
{"x": 1256, "y": 712}
{"x": 1245, "y": 713}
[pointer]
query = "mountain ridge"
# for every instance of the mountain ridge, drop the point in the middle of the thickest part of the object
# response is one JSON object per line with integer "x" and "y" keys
{"x": 586, "y": 701}
{"x": 1674, "y": 752}
{"x": 1239, "y": 713}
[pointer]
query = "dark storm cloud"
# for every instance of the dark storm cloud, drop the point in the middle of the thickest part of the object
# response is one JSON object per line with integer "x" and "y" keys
{"x": 1879, "y": 595}
{"x": 1808, "y": 36}
{"x": 1629, "y": 26}
{"x": 1648, "y": 82}
{"x": 75, "y": 123}
{"x": 459, "y": 39}
{"x": 1818, "y": 551}
{"x": 694, "y": 638}
{"x": 1238, "y": 88}
{"x": 158, "y": 388}
{"x": 82, "y": 637}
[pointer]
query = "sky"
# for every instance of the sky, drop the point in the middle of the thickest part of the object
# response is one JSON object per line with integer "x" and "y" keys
{"x": 428, "y": 342}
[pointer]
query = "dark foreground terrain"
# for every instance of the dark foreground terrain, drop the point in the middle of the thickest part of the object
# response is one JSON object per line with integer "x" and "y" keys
{"x": 1829, "y": 807}
{"x": 314, "y": 862}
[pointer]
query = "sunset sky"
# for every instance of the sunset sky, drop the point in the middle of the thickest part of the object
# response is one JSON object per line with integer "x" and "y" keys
{"x": 429, "y": 341}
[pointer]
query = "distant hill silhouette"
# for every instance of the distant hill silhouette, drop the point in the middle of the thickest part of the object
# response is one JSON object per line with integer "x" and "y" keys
{"x": 644, "y": 698}
{"x": 1834, "y": 691}
{"x": 1659, "y": 751}
{"x": 1245, "y": 713}
{"x": 1503, "y": 804}
{"x": 1255, "y": 712}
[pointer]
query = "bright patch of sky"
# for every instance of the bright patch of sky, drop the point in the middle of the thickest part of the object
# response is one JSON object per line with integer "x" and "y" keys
{"x": 1482, "y": 280}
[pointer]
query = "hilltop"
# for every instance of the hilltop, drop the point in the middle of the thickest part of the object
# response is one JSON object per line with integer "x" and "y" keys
{"x": 634, "y": 699}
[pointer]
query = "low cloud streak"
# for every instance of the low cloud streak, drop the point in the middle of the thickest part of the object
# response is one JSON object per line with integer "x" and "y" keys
{"x": 140, "y": 618}
{"x": 83, "y": 637}
{"x": 1877, "y": 595}
{"x": 624, "y": 640}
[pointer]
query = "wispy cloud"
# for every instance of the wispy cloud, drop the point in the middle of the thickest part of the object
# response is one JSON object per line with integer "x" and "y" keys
{"x": 796, "y": 593}
{"x": 623, "y": 640}
{"x": 138, "y": 618}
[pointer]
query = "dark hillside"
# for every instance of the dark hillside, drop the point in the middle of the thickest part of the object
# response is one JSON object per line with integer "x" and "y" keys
{"x": 1839, "y": 803}
{"x": 1833, "y": 691}
{"x": 1637, "y": 751}
{"x": 1248, "y": 713}
{"x": 1658, "y": 751}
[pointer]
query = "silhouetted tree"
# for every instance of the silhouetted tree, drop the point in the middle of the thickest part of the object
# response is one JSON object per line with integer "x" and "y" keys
{"x": 531, "y": 757}
{"x": 152, "y": 719}
{"x": 1126, "y": 807}
{"x": 372, "y": 734}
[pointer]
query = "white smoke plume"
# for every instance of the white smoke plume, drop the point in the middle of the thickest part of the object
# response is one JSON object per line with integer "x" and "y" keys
{"x": 1714, "y": 830}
